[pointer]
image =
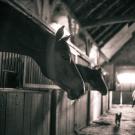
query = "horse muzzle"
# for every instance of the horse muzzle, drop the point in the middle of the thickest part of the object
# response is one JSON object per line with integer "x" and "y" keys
{"x": 75, "y": 94}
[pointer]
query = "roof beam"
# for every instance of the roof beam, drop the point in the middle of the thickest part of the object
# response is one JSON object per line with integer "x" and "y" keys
{"x": 116, "y": 43}
{"x": 87, "y": 24}
{"x": 95, "y": 8}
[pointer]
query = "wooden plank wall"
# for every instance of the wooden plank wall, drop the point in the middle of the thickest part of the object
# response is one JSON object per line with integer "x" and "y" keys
{"x": 11, "y": 63}
{"x": 127, "y": 97}
{"x": 2, "y": 113}
{"x": 24, "y": 66}
{"x": 116, "y": 97}
{"x": 33, "y": 74}
{"x": 95, "y": 105}
{"x": 105, "y": 104}
{"x": 67, "y": 114}
{"x": 110, "y": 76}
{"x": 23, "y": 113}
{"x": 122, "y": 98}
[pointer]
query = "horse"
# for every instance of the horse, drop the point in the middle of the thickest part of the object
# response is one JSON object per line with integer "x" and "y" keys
{"x": 20, "y": 34}
{"x": 94, "y": 77}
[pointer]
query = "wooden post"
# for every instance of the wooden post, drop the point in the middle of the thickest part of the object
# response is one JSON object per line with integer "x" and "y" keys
{"x": 121, "y": 98}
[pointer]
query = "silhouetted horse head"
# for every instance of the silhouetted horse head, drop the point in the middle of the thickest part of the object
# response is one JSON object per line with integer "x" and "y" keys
{"x": 22, "y": 35}
{"x": 94, "y": 77}
{"x": 65, "y": 70}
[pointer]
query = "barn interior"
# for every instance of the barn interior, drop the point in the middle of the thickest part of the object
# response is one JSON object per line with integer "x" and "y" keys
{"x": 101, "y": 35}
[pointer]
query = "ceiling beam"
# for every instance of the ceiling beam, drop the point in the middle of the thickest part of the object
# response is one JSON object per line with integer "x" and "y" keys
{"x": 118, "y": 41}
{"x": 87, "y": 24}
{"x": 94, "y": 8}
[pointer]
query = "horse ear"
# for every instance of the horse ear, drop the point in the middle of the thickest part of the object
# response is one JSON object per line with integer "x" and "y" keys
{"x": 60, "y": 33}
{"x": 66, "y": 38}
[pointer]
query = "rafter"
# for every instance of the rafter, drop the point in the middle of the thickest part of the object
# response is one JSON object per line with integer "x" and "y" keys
{"x": 119, "y": 40}
{"x": 107, "y": 14}
{"x": 107, "y": 10}
{"x": 109, "y": 27}
{"x": 95, "y": 8}
{"x": 80, "y": 5}
{"x": 87, "y": 24}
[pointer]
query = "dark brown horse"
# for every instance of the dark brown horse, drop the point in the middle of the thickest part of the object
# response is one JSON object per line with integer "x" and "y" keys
{"x": 19, "y": 34}
{"x": 94, "y": 77}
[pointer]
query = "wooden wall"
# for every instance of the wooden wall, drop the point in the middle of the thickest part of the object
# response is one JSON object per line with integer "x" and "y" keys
{"x": 39, "y": 113}
{"x": 68, "y": 115}
{"x": 25, "y": 113}
{"x": 116, "y": 97}
{"x": 11, "y": 65}
{"x": 124, "y": 98}
{"x": 24, "y": 68}
{"x": 45, "y": 113}
{"x": 33, "y": 74}
{"x": 95, "y": 105}
{"x": 105, "y": 104}
{"x": 110, "y": 76}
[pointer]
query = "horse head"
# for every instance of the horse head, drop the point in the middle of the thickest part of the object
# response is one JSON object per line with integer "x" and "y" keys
{"x": 94, "y": 77}
{"x": 98, "y": 81}
{"x": 64, "y": 70}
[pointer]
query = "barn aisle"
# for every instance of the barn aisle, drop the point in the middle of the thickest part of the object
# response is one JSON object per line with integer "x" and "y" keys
{"x": 106, "y": 124}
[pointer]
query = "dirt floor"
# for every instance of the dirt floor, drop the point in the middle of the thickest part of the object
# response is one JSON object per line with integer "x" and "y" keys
{"x": 106, "y": 124}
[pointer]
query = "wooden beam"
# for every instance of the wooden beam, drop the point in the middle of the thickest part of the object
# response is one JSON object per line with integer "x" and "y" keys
{"x": 95, "y": 8}
{"x": 115, "y": 44}
{"x": 110, "y": 7}
{"x": 110, "y": 26}
{"x": 89, "y": 23}
{"x": 106, "y": 13}
{"x": 79, "y": 5}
